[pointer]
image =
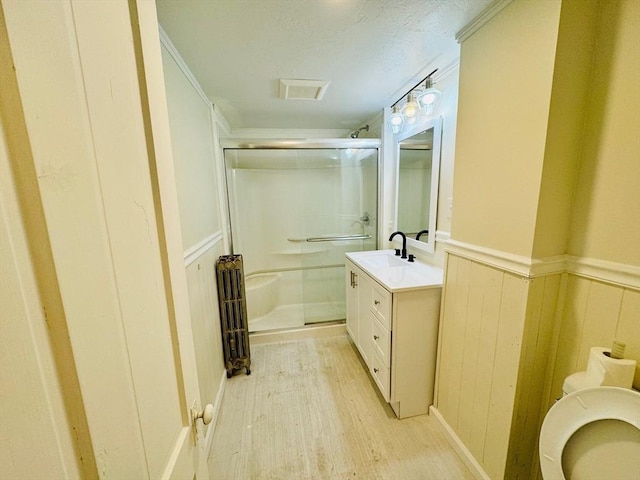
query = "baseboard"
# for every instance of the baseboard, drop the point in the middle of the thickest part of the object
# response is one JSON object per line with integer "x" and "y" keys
{"x": 297, "y": 334}
{"x": 208, "y": 441}
{"x": 460, "y": 448}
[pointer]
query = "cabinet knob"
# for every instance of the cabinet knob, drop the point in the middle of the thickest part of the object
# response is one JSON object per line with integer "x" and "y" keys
{"x": 376, "y": 302}
{"x": 375, "y": 370}
{"x": 375, "y": 337}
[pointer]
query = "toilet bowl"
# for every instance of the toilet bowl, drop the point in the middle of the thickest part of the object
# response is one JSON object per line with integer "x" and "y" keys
{"x": 611, "y": 449}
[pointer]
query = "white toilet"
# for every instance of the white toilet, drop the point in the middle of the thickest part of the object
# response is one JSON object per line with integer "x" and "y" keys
{"x": 592, "y": 433}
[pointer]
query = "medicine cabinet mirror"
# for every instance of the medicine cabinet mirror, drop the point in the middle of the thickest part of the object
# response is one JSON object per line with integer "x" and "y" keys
{"x": 418, "y": 168}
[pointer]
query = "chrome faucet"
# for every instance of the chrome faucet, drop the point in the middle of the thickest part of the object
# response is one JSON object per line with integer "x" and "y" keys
{"x": 404, "y": 243}
{"x": 420, "y": 233}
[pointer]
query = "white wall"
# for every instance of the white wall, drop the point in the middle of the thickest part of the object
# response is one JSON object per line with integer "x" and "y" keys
{"x": 198, "y": 188}
{"x": 193, "y": 151}
{"x": 446, "y": 80}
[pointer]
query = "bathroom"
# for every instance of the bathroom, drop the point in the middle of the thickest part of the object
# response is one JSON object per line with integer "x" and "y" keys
{"x": 537, "y": 224}
{"x": 504, "y": 234}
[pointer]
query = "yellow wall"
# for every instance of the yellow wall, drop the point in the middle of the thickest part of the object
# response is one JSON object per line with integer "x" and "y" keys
{"x": 571, "y": 83}
{"x": 540, "y": 171}
{"x": 506, "y": 72}
{"x": 80, "y": 137}
{"x": 606, "y": 218}
{"x": 606, "y": 215}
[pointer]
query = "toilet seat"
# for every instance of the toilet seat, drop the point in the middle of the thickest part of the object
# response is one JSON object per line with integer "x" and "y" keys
{"x": 576, "y": 410}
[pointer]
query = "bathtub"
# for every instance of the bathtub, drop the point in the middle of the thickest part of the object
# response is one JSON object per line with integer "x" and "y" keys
{"x": 262, "y": 294}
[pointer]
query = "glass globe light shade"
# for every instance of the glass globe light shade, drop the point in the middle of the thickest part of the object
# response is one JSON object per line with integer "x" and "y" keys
{"x": 429, "y": 97}
{"x": 396, "y": 120}
{"x": 410, "y": 109}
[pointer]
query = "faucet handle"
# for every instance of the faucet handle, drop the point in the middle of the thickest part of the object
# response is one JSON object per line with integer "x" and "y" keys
{"x": 412, "y": 258}
{"x": 397, "y": 252}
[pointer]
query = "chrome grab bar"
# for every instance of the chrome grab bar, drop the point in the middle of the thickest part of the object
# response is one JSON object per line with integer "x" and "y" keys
{"x": 330, "y": 238}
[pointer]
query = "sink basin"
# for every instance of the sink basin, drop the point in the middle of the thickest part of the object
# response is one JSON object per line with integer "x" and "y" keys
{"x": 383, "y": 260}
{"x": 396, "y": 274}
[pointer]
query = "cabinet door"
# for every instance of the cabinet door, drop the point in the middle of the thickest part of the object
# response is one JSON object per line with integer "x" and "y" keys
{"x": 352, "y": 300}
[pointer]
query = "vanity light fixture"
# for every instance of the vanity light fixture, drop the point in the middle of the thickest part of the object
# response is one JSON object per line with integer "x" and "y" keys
{"x": 429, "y": 97}
{"x": 396, "y": 120}
{"x": 417, "y": 101}
{"x": 411, "y": 109}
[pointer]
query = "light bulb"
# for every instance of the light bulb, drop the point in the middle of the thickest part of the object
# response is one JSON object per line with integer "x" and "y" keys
{"x": 429, "y": 97}
{"x": 411, "y": 108}
{"x": 395, "y": 120}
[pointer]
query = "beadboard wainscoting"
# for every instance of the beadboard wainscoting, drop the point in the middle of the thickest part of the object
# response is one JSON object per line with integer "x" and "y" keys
{"x": 495, "y": 336}
{"x": 205, "y": 322}
{"x": 595, "y": 312}
{"x": 511, "y": 330}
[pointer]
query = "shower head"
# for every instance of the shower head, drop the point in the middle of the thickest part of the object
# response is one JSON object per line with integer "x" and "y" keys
{"x": 355, "y": 133}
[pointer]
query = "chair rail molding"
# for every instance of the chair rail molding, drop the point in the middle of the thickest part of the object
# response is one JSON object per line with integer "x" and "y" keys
{"x": 518, "y": 264}
{"x": 193, "y": 253}
{"x": 623, "y": 275}
{"x": 627, "y": 276}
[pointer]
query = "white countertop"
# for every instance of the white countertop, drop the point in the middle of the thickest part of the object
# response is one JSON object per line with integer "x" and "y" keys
{"x": 395, "y": 274}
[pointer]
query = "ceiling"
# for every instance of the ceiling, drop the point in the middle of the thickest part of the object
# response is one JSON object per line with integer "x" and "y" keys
{"x": 372, "y": 52}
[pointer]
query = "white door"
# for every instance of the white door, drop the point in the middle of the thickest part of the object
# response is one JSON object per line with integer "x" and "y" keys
{"x": 91, "y": 159}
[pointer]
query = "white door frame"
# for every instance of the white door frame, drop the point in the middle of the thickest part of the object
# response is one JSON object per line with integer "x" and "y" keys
{"x": 94, "y": 154}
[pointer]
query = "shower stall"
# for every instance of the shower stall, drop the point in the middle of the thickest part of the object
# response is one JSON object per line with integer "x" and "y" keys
{"x": 295, "y": 208}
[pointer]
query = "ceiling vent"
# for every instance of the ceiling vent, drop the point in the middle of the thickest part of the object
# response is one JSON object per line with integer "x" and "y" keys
{"x": 293, "y": 89}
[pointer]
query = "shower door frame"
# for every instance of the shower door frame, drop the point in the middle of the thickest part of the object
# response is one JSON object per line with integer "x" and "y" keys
{"x": 299, "y": 144}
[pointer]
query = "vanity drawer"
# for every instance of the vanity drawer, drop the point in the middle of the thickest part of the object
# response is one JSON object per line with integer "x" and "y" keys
{"x": 381, "y": 374}
{"x": 381, "y": 340}
{"x": 381, "y": 305}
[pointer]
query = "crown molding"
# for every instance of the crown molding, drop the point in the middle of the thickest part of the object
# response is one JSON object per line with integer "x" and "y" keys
{"x": 224, "y": 129}
{"x": 175, "y": 55}
{"x": 447, "y": 70}
{"x": 487, "y": 14}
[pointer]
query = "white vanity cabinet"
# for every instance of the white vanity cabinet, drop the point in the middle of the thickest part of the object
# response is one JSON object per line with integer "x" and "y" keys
{"x": 392, "y": 317}
{"x": 358, "y": 297}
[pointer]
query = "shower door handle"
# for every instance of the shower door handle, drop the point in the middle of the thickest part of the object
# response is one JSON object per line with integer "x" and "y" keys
{"x": 337, "y": 238}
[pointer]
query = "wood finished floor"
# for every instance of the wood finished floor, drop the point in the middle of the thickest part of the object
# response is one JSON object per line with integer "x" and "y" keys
{"x": 309, "y": 410}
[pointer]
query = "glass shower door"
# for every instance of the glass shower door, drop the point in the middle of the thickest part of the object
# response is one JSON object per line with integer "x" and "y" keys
{"x": 340, "y": 216}
{"x": 294, "y": 213}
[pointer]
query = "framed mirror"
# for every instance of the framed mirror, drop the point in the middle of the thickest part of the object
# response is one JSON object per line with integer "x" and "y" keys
{"x": 418, "y": 168}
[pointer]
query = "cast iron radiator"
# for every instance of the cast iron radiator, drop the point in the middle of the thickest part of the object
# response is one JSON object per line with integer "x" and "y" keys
{"x": 233, "y": 313}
